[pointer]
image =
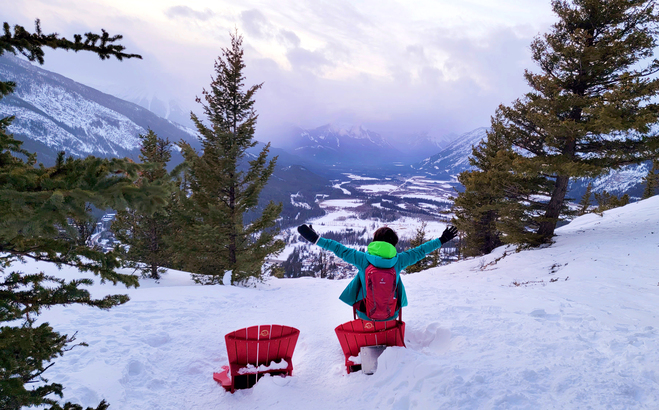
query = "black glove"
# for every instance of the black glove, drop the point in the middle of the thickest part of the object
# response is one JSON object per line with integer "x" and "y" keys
{"x": 448, "y": 234}
{"x": 308, "y": 233}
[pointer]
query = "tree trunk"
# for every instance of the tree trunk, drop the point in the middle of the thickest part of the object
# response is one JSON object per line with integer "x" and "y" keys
{"x": 233, "y": 235}
{"x": 547, "y": 227}
{"x": 154, "y": 250}
{"x": 232, "y": 232}
{"x": 491, "y": 240}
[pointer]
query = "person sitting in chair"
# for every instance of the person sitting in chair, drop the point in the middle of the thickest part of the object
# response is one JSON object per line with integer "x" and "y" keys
{"x": 371, "y": 293}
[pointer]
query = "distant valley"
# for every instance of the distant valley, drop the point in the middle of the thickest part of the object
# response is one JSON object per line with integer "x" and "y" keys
{"x": 390, "y": 179}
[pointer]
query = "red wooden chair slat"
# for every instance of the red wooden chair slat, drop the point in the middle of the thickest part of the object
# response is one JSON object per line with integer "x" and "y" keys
{"x": 357, "y": 325}
{"x": 343, "y": 340}
{"x": 231, "y": 349}
{"x": 276, "y": 333}
{"x": 371, "y": 339}
{"x": 262, "y": 355}
{"x": 357, "y": 333}
{"x": 252, "y": 344}
{"x": 256, "y": 345}
{"x": 291, "y": 349}
{"x": 283, "y": 348}
{"x": 291, "y": 346}
{"x": 389, "y": 338}
{"x": 252, "y": 350}
{"x": 241, "y": 351}
{"x": 352, "y": 344}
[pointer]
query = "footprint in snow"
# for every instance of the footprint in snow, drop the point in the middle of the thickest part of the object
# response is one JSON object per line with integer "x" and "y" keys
{"x": 157, "y": 339}
{"x": 156, "y": 384}
{"x": 135, "y": 368}
{"x": 541, "y": 314}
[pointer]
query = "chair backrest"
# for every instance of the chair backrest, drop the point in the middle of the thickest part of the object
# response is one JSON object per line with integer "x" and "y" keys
{"x": 259, "y": 345}
{"x": 357, "y": 333}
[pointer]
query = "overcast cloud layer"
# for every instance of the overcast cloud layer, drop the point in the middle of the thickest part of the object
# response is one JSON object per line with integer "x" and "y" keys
{"x": 397, "y": 67}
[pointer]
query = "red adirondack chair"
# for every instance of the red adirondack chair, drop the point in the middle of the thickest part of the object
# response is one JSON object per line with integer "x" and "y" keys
{"x": 255, "y": 351}
{"x": 357, "y": 333}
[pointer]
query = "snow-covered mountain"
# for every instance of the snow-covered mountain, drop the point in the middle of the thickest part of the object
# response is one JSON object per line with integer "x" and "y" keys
{"x": 162, "y": 106}
{"x": 626, "y": 180}
{"x": 455, "y": 157}
{"x": 569, "y": 326}
{"x": 54, "y": 113}
{"x": 351, "y": 147}
{"x": 416, "y": 147}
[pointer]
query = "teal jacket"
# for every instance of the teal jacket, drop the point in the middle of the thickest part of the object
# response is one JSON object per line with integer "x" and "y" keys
{"x": 381, "y": 255}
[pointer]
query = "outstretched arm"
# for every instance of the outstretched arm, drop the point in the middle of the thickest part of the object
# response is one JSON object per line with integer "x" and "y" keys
{"x": 352, "y": 256}
{"x": 414, "y": 255}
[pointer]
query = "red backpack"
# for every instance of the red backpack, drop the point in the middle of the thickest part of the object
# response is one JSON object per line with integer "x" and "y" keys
{"x": 381, "y": 298}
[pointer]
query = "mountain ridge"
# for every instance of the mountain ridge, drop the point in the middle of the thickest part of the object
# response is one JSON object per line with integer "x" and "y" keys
{"x": 454, "y": 159}
{"x": 54, "y": 113}
{"x": 342, "y": 148}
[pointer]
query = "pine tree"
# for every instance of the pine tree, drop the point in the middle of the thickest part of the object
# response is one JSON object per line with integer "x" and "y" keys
{"x": 651, "y": 180}
{"x": 593, "y": 102}
{"x": 435, "y": 258}
{"x": 606, "y": 200}
{"x": 319, "y": 265}
{"x": 145, "y": 233}
{"x": 419, "y": 238}
{"x": 36, "y": 205}
{"x": 496, "y": 206}
{"x": 214, "y": 237}
{"x": 293, "y": 264}
{"x": 278, "y": 271}
{"x": 584, "y": 204}
{"x": 476, "y": 207}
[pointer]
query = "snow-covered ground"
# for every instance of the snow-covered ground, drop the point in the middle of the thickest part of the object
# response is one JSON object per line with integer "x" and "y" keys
{"x": 340, "y": 203}
{"x": 360, "y": 178}
{"x": 378, "y": 188}
{"x": 569, "y": 326}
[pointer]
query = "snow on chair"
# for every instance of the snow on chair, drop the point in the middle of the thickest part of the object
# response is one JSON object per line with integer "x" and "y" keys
{"x": 359, "y": 333}
{"x": 255, "y": 351}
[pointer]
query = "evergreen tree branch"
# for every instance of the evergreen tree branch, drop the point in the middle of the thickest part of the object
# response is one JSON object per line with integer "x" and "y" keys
{"x": 31, "y": 44}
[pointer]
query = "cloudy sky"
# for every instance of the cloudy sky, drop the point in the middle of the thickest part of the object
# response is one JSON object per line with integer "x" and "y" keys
{"x": 397, "y": 67}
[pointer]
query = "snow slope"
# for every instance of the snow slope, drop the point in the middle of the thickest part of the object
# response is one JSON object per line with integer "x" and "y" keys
{"x": 54, "y": 113}
{"x": 455, "y": 157}
{"x": 579, "y": 332}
